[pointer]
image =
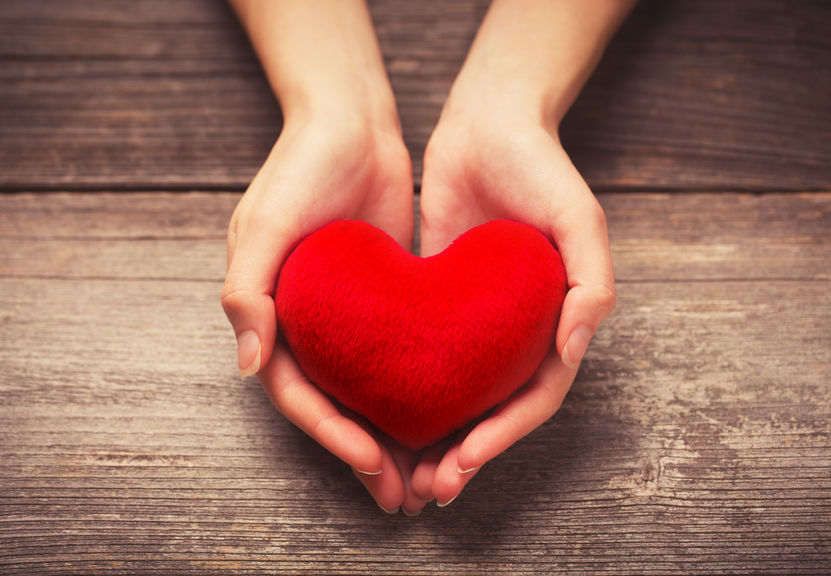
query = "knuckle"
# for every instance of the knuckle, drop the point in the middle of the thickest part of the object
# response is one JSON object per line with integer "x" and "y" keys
{"x": 238, "y": 216}
{"x": 606, "y": 299}
{"x": 318, "y": 424}
{"x": 233, "y": 297}
{"x": 235, "y": 217}
{"x": 261, "y": 219}
{"x": 598, "y": 216}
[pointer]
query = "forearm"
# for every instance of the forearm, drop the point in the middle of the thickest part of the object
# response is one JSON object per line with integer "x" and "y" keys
{"x": 538, "y": 53}
{"x": 320, "y": 56}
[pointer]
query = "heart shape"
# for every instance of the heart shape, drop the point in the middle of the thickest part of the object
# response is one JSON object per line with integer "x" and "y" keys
{"x": 420, "y": 346}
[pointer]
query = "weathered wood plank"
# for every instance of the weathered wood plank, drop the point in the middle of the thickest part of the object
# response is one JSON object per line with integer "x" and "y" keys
{"x": 158, "y": 260}
{"x": 655, "y": 237}
{"x": 705, "y": 95}
{"x": 696, "y": 440}
{"x": 135, "y": 215}
{"x": 125, "y": 93}
{"x": 719, "y": 236}
{"x": 700, "y": 95}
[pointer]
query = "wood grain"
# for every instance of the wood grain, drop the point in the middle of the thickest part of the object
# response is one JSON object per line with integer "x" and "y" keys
{"x": 706, "y": 95}
{"x": 655, "y": 237}
{"x": 696, "y": 439}
{"x": 709, "y": 95}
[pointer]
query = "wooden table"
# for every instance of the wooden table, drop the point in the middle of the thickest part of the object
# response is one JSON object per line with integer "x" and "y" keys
{"x": 696, "y": 439}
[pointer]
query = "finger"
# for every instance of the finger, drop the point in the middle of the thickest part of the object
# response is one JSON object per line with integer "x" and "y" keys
{"x": 425, "y": 470}
{"x": 450, "y": 480}
{"x": 308, "y": 408}
{"x": 530, "y": 407}
{"x": 386, "y": 488}
{"x": 580, "y": 234}
{"x": 255, "y": 259}
{"x": 584, "y": 308}
{"x": 406, "y": 462}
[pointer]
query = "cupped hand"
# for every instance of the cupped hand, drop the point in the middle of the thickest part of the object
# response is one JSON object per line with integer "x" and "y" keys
{"x": 480, "y": 167}
{"x": 320, "y": 170}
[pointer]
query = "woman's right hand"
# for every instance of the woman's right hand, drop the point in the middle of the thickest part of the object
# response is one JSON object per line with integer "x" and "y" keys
{"x": 320, "y": 170}
{"x": 340, "y": 155}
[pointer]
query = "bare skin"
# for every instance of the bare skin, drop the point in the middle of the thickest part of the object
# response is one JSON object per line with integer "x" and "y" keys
{"x": 495, "y": 153}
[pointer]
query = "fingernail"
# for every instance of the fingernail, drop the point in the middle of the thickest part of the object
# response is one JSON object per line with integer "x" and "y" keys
{"x": 443, "y": 504}
{"x": 468, "y": 471}
{"x": 249, "y": 352}
{"x": 368, "y": 473}
{"x": 576, "y": 346}
{"x": 390, "y": 510}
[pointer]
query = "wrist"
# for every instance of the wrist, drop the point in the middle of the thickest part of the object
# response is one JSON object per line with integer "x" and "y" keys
{"x": 500, "y": 87}
{"x": 533, "y": 57}
{"x": 356, "y": 106}
{"x": 321, "y": 59}
{"x": 485, "y": 96}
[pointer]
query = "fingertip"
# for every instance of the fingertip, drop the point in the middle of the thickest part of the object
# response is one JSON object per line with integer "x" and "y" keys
{"x": 448, "y": 482}
{"x": 412, "y": 513}
{"x": 254, "y": 320}
{"x": 576, "y": 346}
{"x": 372, "y": 485}
{"x": 387, "y": 487}
{"x": 443, "y": 504}
{"x": 471, "y": 456}
{"x": 414, "y": 503}
{"x": 422, "y": 481}
{"x": 368, "y": 459}
{"x": 425, "y": 471}
{"x": 249, "y": 353}
{"x": 453, "y": 489}
{"x": 455, "y": 485}
{"x": 584, "y": 309}
{"x": 350, "y": 442}
{"x": 368, "y": 473}
{"x": 489, "y": 438}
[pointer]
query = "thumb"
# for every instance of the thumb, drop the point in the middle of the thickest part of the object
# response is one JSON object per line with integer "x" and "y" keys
{"x": 591, "y": 295}
{"x": 248, "y": 296}
{"x": 585, "y": 307}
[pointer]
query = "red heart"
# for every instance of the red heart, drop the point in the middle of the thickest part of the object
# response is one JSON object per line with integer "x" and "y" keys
{"x": 420, "y": 346}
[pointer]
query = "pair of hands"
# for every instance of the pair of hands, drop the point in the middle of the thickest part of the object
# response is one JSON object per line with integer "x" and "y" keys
{"x": 478, "y": 166}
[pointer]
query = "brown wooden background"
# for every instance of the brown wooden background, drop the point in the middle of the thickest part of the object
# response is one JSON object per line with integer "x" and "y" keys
{"x": 696, "y": 439}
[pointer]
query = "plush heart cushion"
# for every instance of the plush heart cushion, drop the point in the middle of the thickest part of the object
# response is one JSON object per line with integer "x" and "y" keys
{"x": 420, "y": 346}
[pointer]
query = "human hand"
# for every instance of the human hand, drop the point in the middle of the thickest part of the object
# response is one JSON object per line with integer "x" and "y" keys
{"x": 486, "y": 162}
{"x": 340, "y": 155}
{"x": 319, "y": 170}
{"x": 495, "y": 153}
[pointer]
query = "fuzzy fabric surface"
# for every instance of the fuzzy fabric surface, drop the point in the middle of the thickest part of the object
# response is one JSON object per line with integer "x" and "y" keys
{"x": 420, "y": 346}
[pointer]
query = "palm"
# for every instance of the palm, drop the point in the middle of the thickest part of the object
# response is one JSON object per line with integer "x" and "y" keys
{"x": 310, "y": 179}
{"x": 522, "y": 179}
